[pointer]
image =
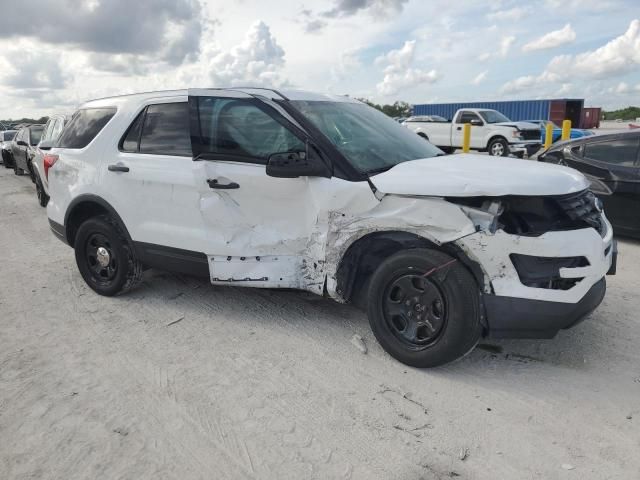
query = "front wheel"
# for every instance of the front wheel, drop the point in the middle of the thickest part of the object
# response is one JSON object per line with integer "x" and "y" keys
{"x": 424, "y": 308}
{"x": 498, "y": 147}
{"x": 106, "y": 260}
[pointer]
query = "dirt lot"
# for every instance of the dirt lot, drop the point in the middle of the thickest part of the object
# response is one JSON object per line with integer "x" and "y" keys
{"x": 182, "y": 380}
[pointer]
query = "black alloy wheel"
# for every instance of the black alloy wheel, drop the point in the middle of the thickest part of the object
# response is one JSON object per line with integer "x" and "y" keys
{"x": 424, "y": 307}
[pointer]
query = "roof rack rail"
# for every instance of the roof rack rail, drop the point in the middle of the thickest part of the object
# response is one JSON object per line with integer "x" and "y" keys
{"x": 284, "y": 97}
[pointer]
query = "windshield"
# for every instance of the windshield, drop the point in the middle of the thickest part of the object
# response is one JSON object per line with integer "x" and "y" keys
{"x": 370, "y": 140}
{"x": 491, "y": 116}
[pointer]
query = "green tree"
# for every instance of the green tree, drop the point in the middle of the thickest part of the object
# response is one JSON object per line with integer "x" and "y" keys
{"x": 397, "y": 109}
{"x": 629, "y": 113}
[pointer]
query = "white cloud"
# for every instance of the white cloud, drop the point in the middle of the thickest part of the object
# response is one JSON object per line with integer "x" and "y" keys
{"x": 552, "y": 39}
{"x": 478, "y": 79}
{"x": 505, "y": 44}
{"x": 511, "y": 15}
{"x": 257, "y": 60}
{"x": 399, "y": 72}
{"x": 620, "y": 55}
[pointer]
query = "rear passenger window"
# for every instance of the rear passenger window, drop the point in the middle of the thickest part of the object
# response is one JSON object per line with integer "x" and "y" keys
{"x": 620, "y": 151}
{"x": 84, "y": 126}
{"x": 166, "y": 130}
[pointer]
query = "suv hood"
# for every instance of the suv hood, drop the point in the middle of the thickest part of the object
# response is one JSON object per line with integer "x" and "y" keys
{"x": 472, "y": 175}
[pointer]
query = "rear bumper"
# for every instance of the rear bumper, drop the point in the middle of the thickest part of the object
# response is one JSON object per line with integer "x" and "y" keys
{"x": 512, "y": 317}
{"x": 59, "y": 231}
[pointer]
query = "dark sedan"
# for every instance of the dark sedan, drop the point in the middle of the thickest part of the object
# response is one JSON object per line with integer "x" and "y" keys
{"x": 612, "y": 164}
{"x": 23, "y": 149}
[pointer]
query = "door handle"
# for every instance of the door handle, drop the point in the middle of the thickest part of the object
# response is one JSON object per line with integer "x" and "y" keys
{"x": 118, "y": 167}
{"x": 213, "y": 183}
{"x": 459, "y": 128}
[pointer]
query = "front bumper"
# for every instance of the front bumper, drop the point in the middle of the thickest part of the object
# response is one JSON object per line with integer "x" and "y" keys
{"x": 518, "y": 308}
{"x": 530, "y": 148}
{"x": 510, "y": 317}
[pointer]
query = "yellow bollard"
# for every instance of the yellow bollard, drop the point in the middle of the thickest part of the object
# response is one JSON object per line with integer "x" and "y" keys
{"x": 466, "y": 138}
{"x": 566, "y": 130}
{"x": 548, "y": 137}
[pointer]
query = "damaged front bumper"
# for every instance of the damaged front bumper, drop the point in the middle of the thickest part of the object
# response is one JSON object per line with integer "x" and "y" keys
{"x": 533, "y": 288}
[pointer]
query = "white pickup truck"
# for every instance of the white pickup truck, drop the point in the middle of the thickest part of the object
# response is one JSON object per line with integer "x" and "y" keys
{"x": 491, "y": 132}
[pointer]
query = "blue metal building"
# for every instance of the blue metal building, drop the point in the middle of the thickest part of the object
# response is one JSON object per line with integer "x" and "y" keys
{"x": 555, "y": 110}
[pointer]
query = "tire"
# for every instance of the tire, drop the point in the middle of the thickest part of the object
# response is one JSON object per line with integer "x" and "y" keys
{"x": 43, "y": 198}
{"x": 122, "y": 270}
{"x": 7, "y": 160}
{"x": 498, "y": 147}
{"x": 16, "y": 170}
{"x": 442, "y": 325}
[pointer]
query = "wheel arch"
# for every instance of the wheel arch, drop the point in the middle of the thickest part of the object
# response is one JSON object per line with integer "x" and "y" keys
{"x": 496, "y": 136}
{"x": 366, "y": 253}
{"x": 87, "y": 206}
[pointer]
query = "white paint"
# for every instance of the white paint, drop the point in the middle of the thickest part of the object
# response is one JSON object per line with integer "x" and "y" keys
{"x": 468, "y": 175}
{"x": 492, "y": 252}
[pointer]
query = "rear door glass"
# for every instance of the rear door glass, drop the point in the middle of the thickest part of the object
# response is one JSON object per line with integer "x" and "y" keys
{"x": 84, "y": 126}
{"x": 166, "y": 130}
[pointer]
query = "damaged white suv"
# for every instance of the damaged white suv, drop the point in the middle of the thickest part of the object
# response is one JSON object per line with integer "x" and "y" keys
{"x": 259, "y": 188}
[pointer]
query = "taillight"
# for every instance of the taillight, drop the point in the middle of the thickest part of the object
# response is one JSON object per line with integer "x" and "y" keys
{"x": 49, "y": 160}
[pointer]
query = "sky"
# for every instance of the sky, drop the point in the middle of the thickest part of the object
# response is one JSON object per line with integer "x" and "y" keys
{"x": 419, "y": 51}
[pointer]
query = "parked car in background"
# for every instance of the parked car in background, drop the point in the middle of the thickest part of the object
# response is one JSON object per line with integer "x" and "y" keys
{"x": 40, "y": 163}
{"x": 6, "y": 138}
{"x": 426, "y": 118}
{"x": 612, "y": 164}
{"x": 23, "y": 149}
{"x": 557, "y": 131}
{"x": 491, "y": 132}
{"x": 259, "y": 188}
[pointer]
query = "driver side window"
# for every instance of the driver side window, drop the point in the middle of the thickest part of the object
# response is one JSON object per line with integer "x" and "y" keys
{"x": 467, "y": 117}
{"x": 242, "y": 130}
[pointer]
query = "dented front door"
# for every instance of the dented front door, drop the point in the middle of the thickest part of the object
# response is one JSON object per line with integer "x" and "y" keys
{"x": 258, "y": 227}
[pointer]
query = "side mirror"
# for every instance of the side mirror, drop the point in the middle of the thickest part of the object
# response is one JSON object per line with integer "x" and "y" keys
{"x": 46, "y": 145}
{"x": 297, "y": 164}
{"x": 476, "y": 122}
{"x": 22, "y": 143}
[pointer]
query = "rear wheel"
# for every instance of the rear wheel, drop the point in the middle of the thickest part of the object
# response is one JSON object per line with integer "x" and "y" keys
{"x": 424, "y": 308}
{"x": 498, "y": 147}
{"x": 106, "y": 260}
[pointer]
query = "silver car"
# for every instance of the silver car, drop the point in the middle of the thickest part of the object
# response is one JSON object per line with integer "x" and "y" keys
{"x": 52, "y": 130}
{"x": 5, "y": 146}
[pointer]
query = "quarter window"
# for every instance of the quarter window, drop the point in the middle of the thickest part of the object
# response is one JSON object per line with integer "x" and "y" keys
{"x": 84, "y": 126}
{"x": 165, "y": 130}
{"x": 130, "y": 141}
{"x": 619, "y": 151}
{"x": 241, "y": 129}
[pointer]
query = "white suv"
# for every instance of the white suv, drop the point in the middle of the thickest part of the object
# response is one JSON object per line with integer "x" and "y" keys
{"x": 260, "y": 188}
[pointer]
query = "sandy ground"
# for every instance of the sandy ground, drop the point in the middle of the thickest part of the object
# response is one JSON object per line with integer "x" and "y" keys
{"x": 181, "y": 380}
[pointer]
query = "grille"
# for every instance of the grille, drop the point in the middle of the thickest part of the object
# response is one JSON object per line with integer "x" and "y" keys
{"x": 582, "y": 207}
{"x": 530, "y": 134}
